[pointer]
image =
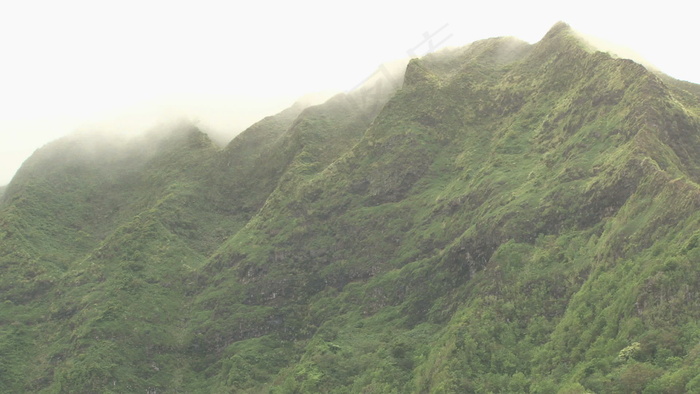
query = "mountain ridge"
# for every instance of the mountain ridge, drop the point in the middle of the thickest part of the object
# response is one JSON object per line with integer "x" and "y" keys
{"x": 509, "y": 218}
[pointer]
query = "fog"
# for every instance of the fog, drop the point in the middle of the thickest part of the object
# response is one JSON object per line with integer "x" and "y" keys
{"x": 125, "y": 66}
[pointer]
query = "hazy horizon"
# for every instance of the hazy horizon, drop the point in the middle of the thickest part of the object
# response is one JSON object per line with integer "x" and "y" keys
{"x": 125, "y": 67}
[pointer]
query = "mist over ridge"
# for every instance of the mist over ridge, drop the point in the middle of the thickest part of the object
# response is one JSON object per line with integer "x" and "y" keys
{"x": 169, "y": 92}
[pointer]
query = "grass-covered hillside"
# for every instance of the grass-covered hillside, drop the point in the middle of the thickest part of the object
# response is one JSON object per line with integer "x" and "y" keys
{"x": 512, "y": 218}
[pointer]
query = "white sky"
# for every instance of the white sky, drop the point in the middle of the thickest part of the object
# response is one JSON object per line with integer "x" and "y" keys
{"x": 125, "y": 65}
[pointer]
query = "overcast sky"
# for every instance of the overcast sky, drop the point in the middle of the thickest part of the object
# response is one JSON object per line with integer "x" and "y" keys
{"x": 125, "y": 65}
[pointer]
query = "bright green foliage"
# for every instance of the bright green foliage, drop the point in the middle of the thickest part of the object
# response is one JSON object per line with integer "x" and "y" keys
{"x": 514, "y": 218}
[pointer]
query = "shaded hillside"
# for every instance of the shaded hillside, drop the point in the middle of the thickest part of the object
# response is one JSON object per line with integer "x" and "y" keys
{"x": 79, "y": 218}
{"x": 511, "y": 218}
{"x": 99, "y": 234}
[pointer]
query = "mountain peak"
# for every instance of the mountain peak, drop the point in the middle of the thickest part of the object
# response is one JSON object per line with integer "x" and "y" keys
{"x": 561, "y": 34}
{"x": 558, "y": 28}
{"x": 560, "y": 38}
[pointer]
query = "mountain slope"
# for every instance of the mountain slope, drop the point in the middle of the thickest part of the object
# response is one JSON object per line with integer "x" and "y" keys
{"x": 102, "y": 240}
{"x": 511, "y": 218}
{"x": 79, "y": 220}
{"x": 466, "y": 173}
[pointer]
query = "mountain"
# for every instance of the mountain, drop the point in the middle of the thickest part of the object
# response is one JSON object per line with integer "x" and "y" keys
{"x": 505, "y": 217}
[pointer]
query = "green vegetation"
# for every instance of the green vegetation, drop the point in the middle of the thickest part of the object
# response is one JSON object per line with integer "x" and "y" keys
{"x": 513, "y": 218}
